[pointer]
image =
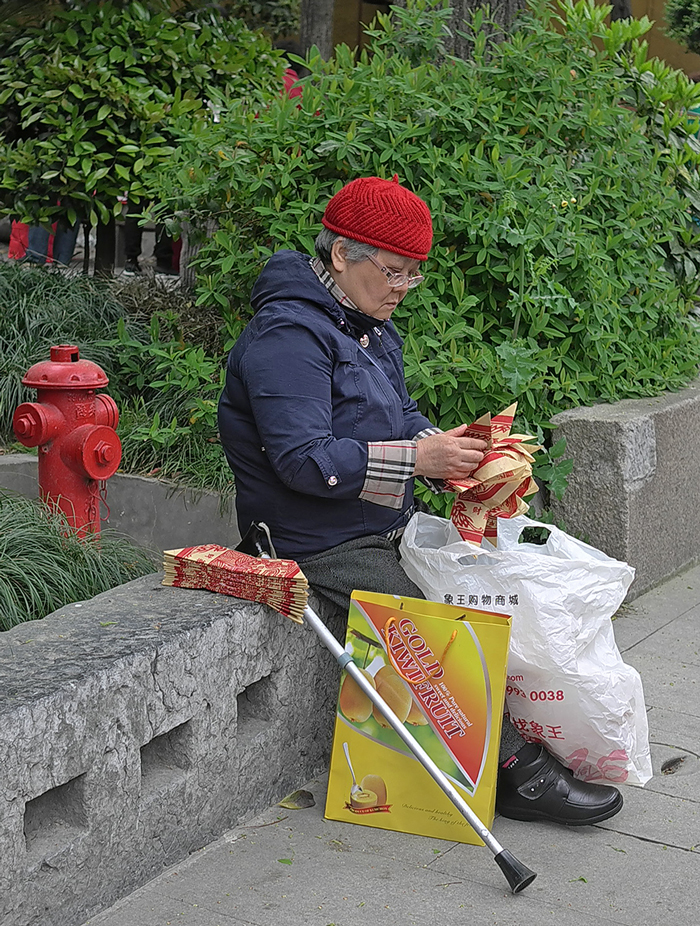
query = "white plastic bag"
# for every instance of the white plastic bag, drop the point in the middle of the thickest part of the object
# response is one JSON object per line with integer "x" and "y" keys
{"x": 567, "y": 684}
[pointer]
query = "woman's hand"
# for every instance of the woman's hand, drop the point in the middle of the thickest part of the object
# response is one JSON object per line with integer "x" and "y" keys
{"x": 449, "y": 455}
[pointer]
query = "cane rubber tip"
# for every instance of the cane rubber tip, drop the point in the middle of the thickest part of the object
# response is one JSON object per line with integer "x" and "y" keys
{"x": 519, "y": 876}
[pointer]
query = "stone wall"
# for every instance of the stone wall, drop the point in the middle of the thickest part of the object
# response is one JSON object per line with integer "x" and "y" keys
{"x": 635, "y": 488}
{"x": 135, "y": 728}
{"x": 155, "y": 514}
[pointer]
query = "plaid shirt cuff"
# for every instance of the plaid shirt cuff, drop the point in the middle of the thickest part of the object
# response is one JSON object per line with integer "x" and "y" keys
{"x": 436, "y": 486}
{"x": 390, "y": 465}
{"x": 426, "y": 432}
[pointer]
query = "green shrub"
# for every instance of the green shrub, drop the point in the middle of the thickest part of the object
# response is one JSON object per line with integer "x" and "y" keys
{"x": 45, "y": 565}
{"x": 559, "y": 169}
{"x": 278, "y": 18}
{"x": 88, "y": 97}
{"x": 168, "y": 394}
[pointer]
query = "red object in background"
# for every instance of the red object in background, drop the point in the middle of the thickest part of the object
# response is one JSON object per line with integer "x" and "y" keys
{"x": 290, "y": 78}
{"x": 19, "y": 238}
{"x": 73, "y": 427}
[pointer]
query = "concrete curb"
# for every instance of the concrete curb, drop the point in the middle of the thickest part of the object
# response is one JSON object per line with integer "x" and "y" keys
{"x": 155, "y": 514}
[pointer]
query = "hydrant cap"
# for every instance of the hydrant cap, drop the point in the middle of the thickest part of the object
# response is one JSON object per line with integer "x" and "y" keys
{"x": 65, "y": 370}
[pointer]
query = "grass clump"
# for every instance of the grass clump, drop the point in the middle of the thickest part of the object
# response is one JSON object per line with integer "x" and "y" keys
{"x": 44, "y": 565}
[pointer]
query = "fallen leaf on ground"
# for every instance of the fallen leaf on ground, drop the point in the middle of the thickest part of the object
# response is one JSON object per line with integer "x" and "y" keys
{"x": 297, "y": 800}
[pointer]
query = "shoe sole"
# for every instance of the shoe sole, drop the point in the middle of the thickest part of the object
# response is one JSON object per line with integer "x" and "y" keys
{"x": 536, "y": 817}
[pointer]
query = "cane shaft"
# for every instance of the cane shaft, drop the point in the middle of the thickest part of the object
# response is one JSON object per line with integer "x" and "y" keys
{"x": 431, "y": 768}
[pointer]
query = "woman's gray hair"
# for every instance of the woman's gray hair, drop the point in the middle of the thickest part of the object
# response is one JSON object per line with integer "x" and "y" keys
{"x": 355, "y": 251}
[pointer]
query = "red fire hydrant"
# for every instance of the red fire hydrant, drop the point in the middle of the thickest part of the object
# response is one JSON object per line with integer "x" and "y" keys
{"x": 73, "y": 427}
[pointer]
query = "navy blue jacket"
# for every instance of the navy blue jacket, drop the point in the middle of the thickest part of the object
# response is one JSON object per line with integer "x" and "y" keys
{"x": 301, "y": 402}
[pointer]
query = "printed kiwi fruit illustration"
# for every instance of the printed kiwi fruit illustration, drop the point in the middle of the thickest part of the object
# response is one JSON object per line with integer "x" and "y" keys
{"x": 375, "y": 784}
{"x": 395, "y": 693}
{"x": 416, "y": 716}
{"x": 354, "y": 703}
{"x": 363, "y": 798}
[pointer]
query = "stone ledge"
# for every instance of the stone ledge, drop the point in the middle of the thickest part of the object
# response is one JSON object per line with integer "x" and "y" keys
{"x": 635, "y": 486}
{"x": 155, "y": 514}
{"x": 137, "y": 727}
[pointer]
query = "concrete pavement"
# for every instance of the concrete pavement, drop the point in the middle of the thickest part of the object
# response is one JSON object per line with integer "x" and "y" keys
{"x": 641, "y": 868}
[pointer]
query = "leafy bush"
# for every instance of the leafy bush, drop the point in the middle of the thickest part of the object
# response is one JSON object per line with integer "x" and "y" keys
{"x": 278, "y": 18}
{"x": 45, "y": 565}
{"x": 168, "y": 394}
{"x": 88, "y": 96}
{"x": 559, "y": 169}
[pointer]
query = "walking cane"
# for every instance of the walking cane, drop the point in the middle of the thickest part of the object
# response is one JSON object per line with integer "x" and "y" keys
{"x": 257, "y": 542}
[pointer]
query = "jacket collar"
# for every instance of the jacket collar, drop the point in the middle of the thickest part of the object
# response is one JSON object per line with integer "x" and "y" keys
{"x": 358, "y": 323}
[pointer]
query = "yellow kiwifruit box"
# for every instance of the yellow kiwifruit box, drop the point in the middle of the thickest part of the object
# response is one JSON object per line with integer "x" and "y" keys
{"x": 442, "y": 670}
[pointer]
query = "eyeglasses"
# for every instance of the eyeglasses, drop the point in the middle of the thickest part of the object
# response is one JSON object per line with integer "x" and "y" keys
{"x": 397, "y": 280}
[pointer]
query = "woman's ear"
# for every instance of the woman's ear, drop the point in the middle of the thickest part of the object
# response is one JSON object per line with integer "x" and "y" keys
{"x": 338, "y": 256}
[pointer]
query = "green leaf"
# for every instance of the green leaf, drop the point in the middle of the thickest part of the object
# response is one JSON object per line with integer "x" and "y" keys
{"x": 298, "y": 800}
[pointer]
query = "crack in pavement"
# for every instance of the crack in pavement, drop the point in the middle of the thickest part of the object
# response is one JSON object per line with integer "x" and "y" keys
{"x": 693, "y": 850}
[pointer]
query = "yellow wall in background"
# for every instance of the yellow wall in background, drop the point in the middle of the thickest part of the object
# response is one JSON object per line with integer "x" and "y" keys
{"x": 660, "y": 45}
{"x": 348, "y": 18}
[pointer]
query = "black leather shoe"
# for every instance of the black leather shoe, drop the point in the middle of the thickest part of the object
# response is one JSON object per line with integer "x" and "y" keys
{"x": 544, "y": 789}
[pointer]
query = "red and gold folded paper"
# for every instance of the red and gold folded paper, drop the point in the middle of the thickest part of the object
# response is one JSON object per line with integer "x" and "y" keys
{"x": 497, "y": 486}
{"x": 280, "y": 583}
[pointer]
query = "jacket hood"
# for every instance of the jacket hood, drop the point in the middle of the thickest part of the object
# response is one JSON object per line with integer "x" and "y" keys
{"x": 288, "y": 276}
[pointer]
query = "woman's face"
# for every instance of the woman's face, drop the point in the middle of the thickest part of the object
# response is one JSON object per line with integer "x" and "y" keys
{"x": 367, "y": 285}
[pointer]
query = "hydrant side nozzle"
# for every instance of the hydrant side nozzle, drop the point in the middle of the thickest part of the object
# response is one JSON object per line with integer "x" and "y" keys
{"x": 93, "y": 451}
{"x": 35, "y": 424}
{"x": 106, "y": 411}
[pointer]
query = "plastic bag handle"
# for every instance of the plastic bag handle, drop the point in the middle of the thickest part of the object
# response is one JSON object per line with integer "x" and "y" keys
{"x": 521, "y": 525}
{"x": 385, "y": 634}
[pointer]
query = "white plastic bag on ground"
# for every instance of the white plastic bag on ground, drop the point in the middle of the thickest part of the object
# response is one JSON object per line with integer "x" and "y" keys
{"x": 567, "y": 685}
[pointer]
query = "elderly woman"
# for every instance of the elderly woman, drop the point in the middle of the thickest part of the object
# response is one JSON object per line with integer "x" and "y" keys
{"x": 325, "y": 442}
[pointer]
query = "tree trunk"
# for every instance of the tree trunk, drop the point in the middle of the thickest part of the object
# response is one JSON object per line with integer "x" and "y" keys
{"x": 501, "y": 16}
{"x": 316, "y": 26}
{"x": 105, "y": 249}
{"x": 86, "y": 248}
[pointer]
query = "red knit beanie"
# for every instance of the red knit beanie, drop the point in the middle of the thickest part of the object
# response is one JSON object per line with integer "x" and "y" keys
{"x": 382, "y": 213}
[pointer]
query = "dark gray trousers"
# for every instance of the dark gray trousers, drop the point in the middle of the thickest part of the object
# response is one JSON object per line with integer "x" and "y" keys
{"x": 372, "y": 564}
